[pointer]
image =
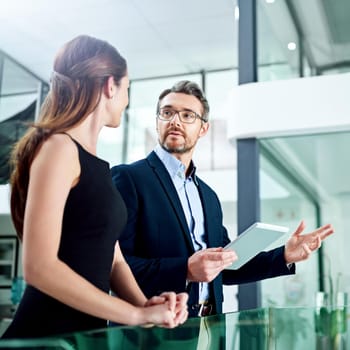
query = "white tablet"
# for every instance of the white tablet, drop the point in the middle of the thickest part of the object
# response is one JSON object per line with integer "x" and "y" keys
{"x": 253, "y": 240}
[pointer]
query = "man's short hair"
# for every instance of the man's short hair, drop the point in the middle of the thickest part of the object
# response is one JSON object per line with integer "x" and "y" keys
{"x": 189, "y": 88}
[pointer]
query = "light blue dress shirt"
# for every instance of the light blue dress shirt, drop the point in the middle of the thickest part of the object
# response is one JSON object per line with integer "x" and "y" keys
{"x": 187, "y": 191}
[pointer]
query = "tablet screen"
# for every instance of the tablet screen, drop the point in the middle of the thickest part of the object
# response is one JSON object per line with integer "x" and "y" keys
{"x": 253, "y": 240}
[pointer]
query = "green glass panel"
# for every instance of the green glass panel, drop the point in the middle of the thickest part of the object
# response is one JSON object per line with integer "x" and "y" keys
{"x": 319, "y": 328}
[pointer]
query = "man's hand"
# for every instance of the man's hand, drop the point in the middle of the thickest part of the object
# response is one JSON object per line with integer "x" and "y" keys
{"x": 206, "y": 264}
{"x": 299, "y": 247}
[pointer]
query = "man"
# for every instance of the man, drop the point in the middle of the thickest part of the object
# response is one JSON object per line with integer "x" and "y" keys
{"x": 174, "y": 236}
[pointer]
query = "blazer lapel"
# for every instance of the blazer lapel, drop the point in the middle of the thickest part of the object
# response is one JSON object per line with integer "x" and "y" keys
{"x": 170, "y": 190}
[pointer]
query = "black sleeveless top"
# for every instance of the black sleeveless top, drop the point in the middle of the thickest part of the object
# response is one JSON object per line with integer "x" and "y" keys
{"x": 93, "y": 219}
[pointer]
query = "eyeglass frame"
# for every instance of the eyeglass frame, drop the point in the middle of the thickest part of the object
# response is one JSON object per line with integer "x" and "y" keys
{"x": 178, "y": 113}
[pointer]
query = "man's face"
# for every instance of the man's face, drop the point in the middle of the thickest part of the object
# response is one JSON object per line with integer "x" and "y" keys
{"x": 174, "y": 135}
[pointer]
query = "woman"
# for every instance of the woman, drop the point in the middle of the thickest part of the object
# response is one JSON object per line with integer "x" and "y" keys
{"x": 67, "y": 211}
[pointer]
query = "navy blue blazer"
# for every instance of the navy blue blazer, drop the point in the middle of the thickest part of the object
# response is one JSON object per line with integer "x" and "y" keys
{"x": 156, "y": 241}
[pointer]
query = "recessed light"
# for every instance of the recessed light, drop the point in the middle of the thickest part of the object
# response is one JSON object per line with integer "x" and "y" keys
{"x": 236, "y": 13}
{"x": 292, "y": 46}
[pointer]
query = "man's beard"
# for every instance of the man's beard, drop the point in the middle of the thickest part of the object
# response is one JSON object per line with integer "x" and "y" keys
{"x": 177, "y": 150}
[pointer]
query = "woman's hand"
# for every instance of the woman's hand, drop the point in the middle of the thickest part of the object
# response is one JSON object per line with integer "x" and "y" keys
{"x": 181, "y": 308}
{"x": 176, "y": 304}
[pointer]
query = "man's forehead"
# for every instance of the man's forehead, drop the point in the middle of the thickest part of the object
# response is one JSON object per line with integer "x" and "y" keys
{"x": 182, "y": 101}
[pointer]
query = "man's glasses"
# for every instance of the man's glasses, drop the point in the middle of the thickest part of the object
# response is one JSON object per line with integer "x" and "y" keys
{"x": 189, "y": 117}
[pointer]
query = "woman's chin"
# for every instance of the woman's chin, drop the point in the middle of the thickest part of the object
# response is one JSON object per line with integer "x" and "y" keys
{"x": 113, "y": 125}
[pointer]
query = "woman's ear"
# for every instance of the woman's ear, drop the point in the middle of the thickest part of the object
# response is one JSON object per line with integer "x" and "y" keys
{"x": 110, "y": 88}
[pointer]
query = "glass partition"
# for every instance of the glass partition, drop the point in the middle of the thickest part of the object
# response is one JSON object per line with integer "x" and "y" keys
{"x": 278, "y": 42}
{"x": 301, "y": 38}
{"x": 283, "y": 202}
{"x": 319, "y": 328}
{"x": 21, "y": 93}
{"x": 310, "y": 177}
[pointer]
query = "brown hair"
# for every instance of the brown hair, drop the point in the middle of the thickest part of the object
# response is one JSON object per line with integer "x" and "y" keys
{"x": 81, "y": 68}
{"x": 189, "y": 88}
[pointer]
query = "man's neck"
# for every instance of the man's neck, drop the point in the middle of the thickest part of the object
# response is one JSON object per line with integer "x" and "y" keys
{"x": 184, "y": 158}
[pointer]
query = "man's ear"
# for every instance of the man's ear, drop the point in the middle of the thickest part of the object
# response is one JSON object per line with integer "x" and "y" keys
{"x": 204, "y": 129}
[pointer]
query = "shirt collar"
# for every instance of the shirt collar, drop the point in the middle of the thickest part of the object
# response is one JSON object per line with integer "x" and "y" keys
{"x": 175, "y": 168}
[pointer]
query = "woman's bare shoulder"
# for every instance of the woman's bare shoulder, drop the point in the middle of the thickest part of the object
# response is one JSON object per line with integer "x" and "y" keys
{"x": 58, "y": 151}
{"x": 59, "y": 145}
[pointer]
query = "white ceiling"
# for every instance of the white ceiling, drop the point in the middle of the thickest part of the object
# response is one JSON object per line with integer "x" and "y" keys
{"x": 157, "y": 37}
{"x": 163, "y": 37}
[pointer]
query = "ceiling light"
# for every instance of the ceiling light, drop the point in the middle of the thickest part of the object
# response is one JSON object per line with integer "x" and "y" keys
{"x": 292, "y": 46}
{"x": 236, "y": 13}
{"x": 270, "y": 1}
